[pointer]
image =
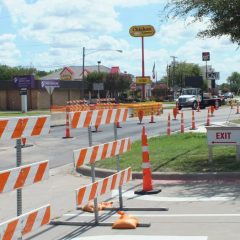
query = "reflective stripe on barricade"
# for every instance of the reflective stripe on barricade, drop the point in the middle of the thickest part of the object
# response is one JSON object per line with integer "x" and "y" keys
{"x": 13, "y": 128}
{"x": 102, "y": 151}
{"x": 106, "y": 185}
{"x": 16, "y": 227}
{"x": 98, "y": 117}
{"x": 19, "y": 177}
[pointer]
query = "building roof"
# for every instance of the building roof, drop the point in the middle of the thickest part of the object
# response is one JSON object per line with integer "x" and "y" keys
{"x": 76, "y": 72}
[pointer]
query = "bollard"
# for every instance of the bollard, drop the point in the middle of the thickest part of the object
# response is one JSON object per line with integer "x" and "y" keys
{"x": 168, "y": 128}
{"x": 67, "y": 134}
{"x": 152, "y": 116}
{"x": 175, "y": 112}
{"x": 208, "y": 118}
{"x": 182, "y": 123}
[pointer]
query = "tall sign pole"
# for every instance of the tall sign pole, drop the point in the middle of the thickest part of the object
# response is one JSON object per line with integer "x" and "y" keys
{"x": 142, "y": 31}
{"x": 206, "y": 58}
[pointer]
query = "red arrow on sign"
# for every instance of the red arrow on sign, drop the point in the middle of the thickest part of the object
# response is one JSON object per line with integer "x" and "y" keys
{"x": 223, "y": 142}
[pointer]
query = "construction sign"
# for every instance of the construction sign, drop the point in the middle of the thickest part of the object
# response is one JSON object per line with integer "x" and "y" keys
{"x": 143, "y": 80}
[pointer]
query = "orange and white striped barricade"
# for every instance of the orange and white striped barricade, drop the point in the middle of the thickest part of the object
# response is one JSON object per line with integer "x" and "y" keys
{"x": 26, "y": 223}
{"x": 23, "y": 127}
{"x": 17, "y": 178}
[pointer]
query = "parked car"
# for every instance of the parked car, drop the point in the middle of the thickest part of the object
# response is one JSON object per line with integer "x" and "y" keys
{"x": 228, "y": 95}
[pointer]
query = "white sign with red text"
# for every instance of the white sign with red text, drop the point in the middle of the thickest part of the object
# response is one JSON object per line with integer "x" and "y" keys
{"x": 223, "y": 135}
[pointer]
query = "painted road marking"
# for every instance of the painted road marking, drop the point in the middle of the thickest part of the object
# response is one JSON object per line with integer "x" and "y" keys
{"x": 141, "y": 237}
{"x": 130, "y": 194}
{"x": 162, "y": 215}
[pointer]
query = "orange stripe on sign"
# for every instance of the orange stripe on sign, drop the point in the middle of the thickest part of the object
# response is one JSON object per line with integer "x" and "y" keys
{"x": 109, "y": 115}
{"x": 129, "y": 174}
{"x": 125, "y": 115}
{"x": 129, "y": 145}
{"x": 104, "y": 186}
{"x": 81, "y": 157}
{"x": 75, "y": 119}
{"x": 18, "y": 131}
{"x": 29, "y": 223}
{"x": 99, "y": 117}
{"x": 22, "y": 177}
{"x": 40, "y": 172}
{"x": 3, "y": 124}
{"x": 80, "y": 195}
{"x": 3, "y": 179}
{"x": 38, "y": 126}
{"x": 114, "y": 179}
{"x": 46, "y": 217}
{"x": 10, "y": 230}
{"x": 93, "y": 191}
{"x": 117, "y": 117}
{"x": 88, "y": 119}
{"x": 105, "y": 149}
{"x": 114, "y": 146}
{"x": 122, "y": 178}
{"x": 122, "y": 145}
{"x": 94, "y": 154}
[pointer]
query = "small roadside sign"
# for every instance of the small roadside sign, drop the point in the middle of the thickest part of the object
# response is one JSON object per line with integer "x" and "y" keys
{"x": 142, "y": 31}
{"x": 23, "y": 91}
{"x": 50, "y": 85}
{"x": 143, "y": 80}
{"x": 206, "y": 56}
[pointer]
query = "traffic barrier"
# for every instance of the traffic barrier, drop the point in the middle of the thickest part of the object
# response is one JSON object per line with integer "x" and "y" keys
{"x": 182, "y": 123}
{"x": 102, "y": 187}
{"x": 26, "y": 223}
{"x": 169, "y": 126}
{"x": 98, "y": 117}
{"x": 193, "y": 122}
{"x": 102, "y": 151}
{"x": 140, "y": 116}
{"x": 67, "y": 133}
{"x": 208, "y": 118}
{"x": 152, "y": 117}
{"x": 22, "y": 176}
{"x": 146, "y": 168}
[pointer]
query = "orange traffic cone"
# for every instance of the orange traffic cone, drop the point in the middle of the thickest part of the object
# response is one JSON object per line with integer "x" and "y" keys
{"x": 147, "y": 173}
{"x": 152, "y": 117}
{"x": 182, "y": 123}
{"x": 169, "y": 127}
{"x": 208, "y": 118}
{"x": 67, "y": 135}
{"x": 212, "y": 108}
{"x": 175, "y": 112}
{"x": 140, "y": 116}
{"x": 193, "y": 122}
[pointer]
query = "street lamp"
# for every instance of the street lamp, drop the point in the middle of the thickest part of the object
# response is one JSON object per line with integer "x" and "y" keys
{"x": 99, "y": 62}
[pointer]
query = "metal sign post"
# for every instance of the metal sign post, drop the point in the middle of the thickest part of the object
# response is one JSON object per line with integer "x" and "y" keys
{"x": 18, "y": 164}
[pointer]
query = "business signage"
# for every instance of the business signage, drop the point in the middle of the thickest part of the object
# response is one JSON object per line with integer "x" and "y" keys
{"x": 24, "y": 81}
{"x": 50, "y": 85}
{"x": 142, "y": 31}
{"x": 206, "y": 56}
{"x": 143, "y": 80}
{"x": 213, "y": 75}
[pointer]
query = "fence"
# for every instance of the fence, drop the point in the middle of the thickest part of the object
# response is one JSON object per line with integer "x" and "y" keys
{"x": 22, "y": 176}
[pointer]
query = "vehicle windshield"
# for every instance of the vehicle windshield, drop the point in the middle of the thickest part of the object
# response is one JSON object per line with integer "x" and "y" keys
{"x": 190, "y": 91}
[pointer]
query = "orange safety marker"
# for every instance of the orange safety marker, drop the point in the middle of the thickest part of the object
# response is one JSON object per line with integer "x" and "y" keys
{"x": 152, "y": 117}
{"x": 169, "y": 126}
{"x": 208, "y": 118}
{"x": 146, "y": 167}
{"x": 237, "y": 112}
{"x": 212, "y": 108}
{"x": 175, "y": 112}
{"x": 198, "y": 106}
{"x": 67, "y": 135}
{"x": 193, "y": 122}
{"x": 182, "y": 123}
{"x": 140, "y": 116}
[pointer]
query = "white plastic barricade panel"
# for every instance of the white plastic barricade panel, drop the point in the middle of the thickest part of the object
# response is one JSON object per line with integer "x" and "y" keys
{"x": 19, "y": 177}
{"x": 15, "y": 128}
{"x": 16, "y": 227}
{"x": 106, "y": 185}
{"x": 98, "y": 152}
{"x": 98, "y": 117}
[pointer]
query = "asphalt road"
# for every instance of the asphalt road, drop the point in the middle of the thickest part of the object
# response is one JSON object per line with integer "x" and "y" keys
{"x": 59, "y": 151}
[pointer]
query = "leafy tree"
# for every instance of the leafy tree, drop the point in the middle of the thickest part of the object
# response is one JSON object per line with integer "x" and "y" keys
{"x": 234, "y": 82}
{"x": 224, "y": 16}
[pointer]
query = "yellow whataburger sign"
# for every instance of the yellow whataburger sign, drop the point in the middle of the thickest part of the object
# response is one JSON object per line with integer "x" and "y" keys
{"x": 142, "y": 31}
{"x": 143, "y": 80}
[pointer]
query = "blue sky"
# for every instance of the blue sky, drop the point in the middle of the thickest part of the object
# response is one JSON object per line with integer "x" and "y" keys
{"x": 50, "y": 34}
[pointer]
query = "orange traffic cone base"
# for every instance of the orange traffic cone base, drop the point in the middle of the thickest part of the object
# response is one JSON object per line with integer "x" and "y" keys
{"x": 142, "y": 192}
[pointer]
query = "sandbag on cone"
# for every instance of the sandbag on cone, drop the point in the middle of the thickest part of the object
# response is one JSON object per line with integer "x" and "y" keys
{"x": 146, "y": 167}
{"x": 125, "y": 221}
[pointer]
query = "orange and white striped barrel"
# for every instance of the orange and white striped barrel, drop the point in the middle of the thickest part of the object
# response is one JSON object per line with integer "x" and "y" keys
{"x": 104, "y": 186}
{"x": 98, "y": 117}
{"x": 26, "y": 223}
{"x": 99, "y": 152}
{"x": 14, "y": 128}
{"x": 20, "y": 177}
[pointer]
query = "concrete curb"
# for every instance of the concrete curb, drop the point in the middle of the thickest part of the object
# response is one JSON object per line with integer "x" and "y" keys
{"x": 214, "y": 176}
